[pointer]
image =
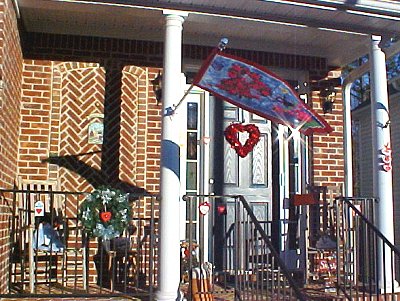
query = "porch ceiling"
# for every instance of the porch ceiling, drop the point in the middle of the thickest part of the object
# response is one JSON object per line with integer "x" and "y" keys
{"x": 336, "y": 29}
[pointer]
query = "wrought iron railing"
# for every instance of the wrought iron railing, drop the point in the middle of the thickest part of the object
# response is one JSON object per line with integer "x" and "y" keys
{"x": 251, "y": 268}
{"x": 368, "y": 263}
{"x": 82, "y": 267}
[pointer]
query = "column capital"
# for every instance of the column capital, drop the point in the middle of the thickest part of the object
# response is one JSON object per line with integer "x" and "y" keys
{"x": 376, "y": 42}
{"x": 376, "y": 37}
{"x": 171, "y": 12}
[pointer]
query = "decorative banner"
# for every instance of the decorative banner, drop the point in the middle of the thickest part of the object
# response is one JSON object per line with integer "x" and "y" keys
{"x": 256, "y": 89}
{"x": 39, "y": 208}
{"x": 204, "y": 208}
{"x": 231, "y": 135}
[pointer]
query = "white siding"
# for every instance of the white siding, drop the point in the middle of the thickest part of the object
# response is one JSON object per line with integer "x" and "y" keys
{"x": 394, "y": 110}
{"x": 364, "y": 158}
{"x": 364, "y": 143}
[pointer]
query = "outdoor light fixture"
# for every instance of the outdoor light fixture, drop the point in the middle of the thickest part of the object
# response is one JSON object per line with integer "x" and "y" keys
{"x": 157, "y": 87}
{"x": 327, "y": 93}
{"x": 327, "y": 98}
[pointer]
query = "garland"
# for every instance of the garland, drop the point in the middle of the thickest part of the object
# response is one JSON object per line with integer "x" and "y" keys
{"x": 105, "y": 213}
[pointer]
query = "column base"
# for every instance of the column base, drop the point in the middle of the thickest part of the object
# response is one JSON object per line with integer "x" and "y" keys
{"x": 395, "y": 288}
{"x": 168, "y": 296}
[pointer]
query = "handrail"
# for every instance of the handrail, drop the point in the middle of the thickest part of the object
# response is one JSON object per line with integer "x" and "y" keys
{"x": 131, "y": 194}
{"x": 370, "y": 262}
{"x": 235, "y": 249}
{"x": 373, "y": 227}
{"x": 34, "y": 272}
{"x": 272, "y": 249}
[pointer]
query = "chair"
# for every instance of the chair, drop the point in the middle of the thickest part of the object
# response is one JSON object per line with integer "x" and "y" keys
{"x": 37, "y": 249}
{"x": 121, "y": 258}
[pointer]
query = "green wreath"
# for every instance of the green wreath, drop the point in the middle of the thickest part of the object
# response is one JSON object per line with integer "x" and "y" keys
{"x": 105, "y": 213}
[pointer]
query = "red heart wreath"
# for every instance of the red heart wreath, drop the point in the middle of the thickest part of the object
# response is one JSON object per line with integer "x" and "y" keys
{"x": 231, "y": 135}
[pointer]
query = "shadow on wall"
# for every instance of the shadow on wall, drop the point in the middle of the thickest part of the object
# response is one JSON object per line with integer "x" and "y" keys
{"x": 109, "y": 172}
{"x": 93, "y": 176}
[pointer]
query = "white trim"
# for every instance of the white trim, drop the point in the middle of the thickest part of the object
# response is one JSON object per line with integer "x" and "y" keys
{"x": 390, "y": 10}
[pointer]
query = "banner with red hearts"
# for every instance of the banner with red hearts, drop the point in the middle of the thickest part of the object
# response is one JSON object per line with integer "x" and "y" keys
{"x": 256, "y": 89}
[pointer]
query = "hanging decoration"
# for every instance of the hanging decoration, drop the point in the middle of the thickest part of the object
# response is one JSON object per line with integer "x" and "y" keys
{"x": 386, "y": 158}
{"x": 39, "y": 208}
{"x": 221, "y": 209}
{"x": 105, "y": 213}
{"x": 204, "y": 208}
{"x": 256, "y": 89}
{"x": 231, "y": 135}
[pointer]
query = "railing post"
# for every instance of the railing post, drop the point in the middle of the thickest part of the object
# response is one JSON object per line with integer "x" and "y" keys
{"x": 31, "y": 261}
{"x": 236, "y": 248}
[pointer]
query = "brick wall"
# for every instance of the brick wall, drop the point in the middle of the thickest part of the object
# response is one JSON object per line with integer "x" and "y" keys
{"x": 35, "y": 120}
{"x": 11, "y": 64}
{"x": 59, "y": 100}
{"x": 10, "y": 79}
{"x": 327, "y": 149}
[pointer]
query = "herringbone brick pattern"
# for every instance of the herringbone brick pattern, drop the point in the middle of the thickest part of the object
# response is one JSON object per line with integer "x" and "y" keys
{"x": 82, "y": 94}
{"x": 87, "y": 92}
{"x": 129, "y": 124}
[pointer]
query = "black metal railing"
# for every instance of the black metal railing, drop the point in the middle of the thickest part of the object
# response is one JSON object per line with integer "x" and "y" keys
{"x": 79, "y": 266}
{"x": 368, "y": 263}
{"x": 251, "y": 268}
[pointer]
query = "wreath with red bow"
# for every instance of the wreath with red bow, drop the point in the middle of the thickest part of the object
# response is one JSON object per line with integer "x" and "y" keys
{"x": 231, "y": 135}
{"x": 105, "y": 213}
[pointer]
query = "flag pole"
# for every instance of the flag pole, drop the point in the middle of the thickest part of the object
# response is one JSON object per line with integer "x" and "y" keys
{"x": 170, "y": 111}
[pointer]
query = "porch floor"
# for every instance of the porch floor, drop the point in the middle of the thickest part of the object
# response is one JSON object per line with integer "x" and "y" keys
{"x": 313, "y": 292}
{"x": 43, "y": 292}
{"x": 71, "y": 299}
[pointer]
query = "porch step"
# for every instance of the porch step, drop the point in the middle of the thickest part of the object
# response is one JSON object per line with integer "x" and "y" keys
{"x": 322, "y": 292}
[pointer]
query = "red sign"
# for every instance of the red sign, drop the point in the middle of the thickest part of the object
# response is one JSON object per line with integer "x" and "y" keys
{"x": 304, "y": 199}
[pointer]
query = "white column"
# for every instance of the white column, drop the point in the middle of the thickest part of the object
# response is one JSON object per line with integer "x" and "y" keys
{"x": 347, "y": 140}
{"x": 382, "y": 178}
{"x": 169, "y": 259}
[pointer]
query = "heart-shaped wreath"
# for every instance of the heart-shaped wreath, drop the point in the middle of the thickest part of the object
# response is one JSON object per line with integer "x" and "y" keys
{"x": 231, "y": 135}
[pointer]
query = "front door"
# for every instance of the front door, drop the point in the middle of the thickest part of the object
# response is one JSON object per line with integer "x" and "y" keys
{"x": 233, "y": 175}
{"x": 249, "y": 176}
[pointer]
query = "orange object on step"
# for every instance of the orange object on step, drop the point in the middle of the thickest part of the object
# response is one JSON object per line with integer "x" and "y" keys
{"x": 201, "y": 285}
